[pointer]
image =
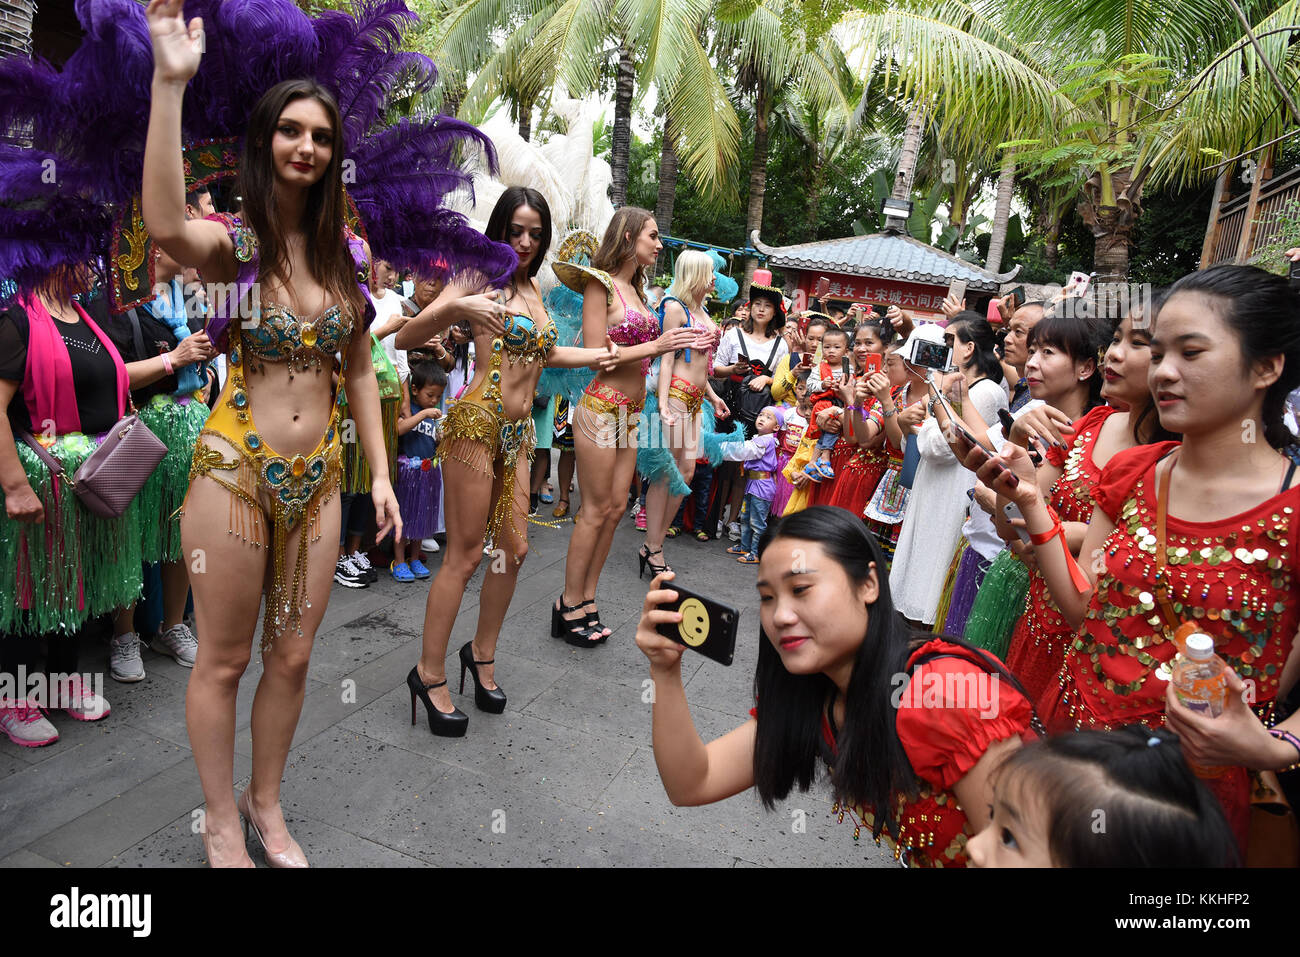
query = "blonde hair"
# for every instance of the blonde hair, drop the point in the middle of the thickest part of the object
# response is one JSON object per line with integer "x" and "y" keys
{"x": 691, "y": 276}
{"x": 619, "y": 243}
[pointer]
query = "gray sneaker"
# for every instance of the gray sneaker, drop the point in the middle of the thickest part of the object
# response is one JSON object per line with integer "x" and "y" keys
{"x": 124, "y": 661}
{"x": 177, "y": 641}
{"x": 25, "y": 725}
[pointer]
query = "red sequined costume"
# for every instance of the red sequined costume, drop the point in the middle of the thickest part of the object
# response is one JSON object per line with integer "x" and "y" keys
{"x": 943, "y": 742}
{"x": 1233, "y": 577}
{"x": 1038, "y": 644}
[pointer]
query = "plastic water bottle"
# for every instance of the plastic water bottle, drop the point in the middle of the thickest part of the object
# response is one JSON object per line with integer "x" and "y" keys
{"x": 1200, "y": 679}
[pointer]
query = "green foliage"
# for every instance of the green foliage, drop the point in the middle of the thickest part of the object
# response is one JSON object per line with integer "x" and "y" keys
{"x": 1168, "y": 236}
{"x": 1269, "y": 256}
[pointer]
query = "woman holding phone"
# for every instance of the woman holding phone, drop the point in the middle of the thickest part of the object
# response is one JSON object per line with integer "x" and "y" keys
{"x": 830, "y": 649}
{"x": 1200, "y": 533}
{"x": 935, "y": 514}
{"x": 859, "y": 458}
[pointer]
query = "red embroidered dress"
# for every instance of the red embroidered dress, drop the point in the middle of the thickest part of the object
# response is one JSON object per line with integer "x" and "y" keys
{"x": 1233, "y": 577}
{"x": 1038, "y": 645}
{"x": 857, "y": 470}
{"x": 942, "y": 743}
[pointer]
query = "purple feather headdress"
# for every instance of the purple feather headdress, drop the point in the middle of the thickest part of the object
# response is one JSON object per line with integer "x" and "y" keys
{"x": 77, "y": 134}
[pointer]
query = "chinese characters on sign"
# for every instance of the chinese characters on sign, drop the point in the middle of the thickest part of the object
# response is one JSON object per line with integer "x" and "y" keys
{"x": 885, "y": 292}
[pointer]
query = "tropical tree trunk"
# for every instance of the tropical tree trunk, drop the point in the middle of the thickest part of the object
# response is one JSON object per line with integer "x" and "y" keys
{"x": 907, "y": 158}
{"x": 757, "y": 179}
{"x": 816, "y": 174}
{"x": 1111, "y": 208}
{"x": 453, "y": 95}
{"x": 621, "y": 138}
{"x": 667, "y": 188}
{"x": 1051, "y": 227}
{"x": 526, "y": 119}
{"x": 16, "y": 38}
{"x": 1002, "y": 215}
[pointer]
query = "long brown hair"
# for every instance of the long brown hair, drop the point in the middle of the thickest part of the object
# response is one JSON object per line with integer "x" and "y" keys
{"x": 619, "y": 244}
{"x": 328, "y": 257}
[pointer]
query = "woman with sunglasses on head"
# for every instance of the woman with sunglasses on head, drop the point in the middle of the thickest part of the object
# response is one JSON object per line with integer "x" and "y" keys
{"x": 831, "y": 653}
{"x": 486, "y": 449}
{"x": 1195, "y": 535}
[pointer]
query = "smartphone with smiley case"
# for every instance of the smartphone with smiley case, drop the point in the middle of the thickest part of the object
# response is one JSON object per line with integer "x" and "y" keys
{"x": 707, "y": 626}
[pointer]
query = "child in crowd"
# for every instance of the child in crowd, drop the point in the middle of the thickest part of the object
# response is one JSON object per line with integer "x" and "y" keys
{"x": 823, "y": 391}
{"x": 1123, "y": 798}
{"x": 419, "y": 479}
{"x": 796, "y": 423}
{"x": 759, "y": 456}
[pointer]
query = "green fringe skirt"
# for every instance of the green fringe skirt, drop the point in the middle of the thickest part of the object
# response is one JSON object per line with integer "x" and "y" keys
{"x": 177, "y": 425}
{"x": 73, "y": 565}
{"x": 356, "y": 470}
{"x": 998, "y": 604}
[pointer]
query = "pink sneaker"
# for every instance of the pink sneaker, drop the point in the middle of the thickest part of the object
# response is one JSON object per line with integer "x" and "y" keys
{"x": 81, "y": 702}
{"x": 26, "y": 726}
{"x": 640, "y": 520}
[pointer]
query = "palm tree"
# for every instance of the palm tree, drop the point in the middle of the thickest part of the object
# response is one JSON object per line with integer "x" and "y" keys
{"x": 644, "y": 42}
{"x": 1092, "y": 86}
{"x": 778, "y": 48}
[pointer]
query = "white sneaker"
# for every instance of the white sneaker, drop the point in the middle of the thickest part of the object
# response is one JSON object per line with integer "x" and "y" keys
{"x": 82, "y": 703}
{"x": 361, "y": 562}
{"x": 26, "y": 726}
{"x": 124, "y": 661}
{"x": 177, "y": 641}
{"x": 430, "y": 544}
{"x": 733, "y": 531}
{"x": 348, "y": 575}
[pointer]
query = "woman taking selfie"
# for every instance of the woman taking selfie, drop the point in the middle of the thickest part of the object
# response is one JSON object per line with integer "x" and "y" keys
{"x": 830, "y": 650}
{"x": 485, "y": 450}
{"x": 1200, "y": 532}
{"x": 606, "y": 419}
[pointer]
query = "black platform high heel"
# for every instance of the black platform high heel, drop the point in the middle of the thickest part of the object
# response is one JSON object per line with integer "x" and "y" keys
{"x": 593, "y": 622}
{"x": 576, "y": 632}
{"x": 493, "y": 700}
{"x": 441, "y": 723}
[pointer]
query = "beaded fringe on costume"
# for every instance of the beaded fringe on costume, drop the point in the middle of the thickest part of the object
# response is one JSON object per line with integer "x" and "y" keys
{"x": 286, "y": 599}
{"x": 472, "y": 436}
{"x": 419, "y": 484}
{"x": 72, "y": 566}
{"x": 998, "y": 605}
{"x": 177, "y": 425}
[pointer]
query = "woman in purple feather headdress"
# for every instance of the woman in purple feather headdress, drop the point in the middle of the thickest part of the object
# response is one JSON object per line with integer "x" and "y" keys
{"x": 267, "y": 464}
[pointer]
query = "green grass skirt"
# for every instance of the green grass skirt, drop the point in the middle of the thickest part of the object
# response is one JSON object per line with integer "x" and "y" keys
{"x": 998, "y": 604}
{"x": 177, "y": 426}
{"x": 74, "y": 565}
{"x": 356, "y": 469}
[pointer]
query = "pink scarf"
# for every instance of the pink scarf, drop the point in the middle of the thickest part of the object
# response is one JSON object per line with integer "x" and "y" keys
{"x": 48, "y": 388}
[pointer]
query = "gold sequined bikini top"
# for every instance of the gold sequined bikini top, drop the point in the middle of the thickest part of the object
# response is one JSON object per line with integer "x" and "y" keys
{"x": 280, "y": 336}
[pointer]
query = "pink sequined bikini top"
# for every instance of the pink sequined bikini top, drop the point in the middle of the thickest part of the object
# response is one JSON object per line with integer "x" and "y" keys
{"x": 636, "y": 327}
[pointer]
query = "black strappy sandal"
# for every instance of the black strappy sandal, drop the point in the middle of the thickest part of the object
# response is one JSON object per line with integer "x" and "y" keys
{"x": 593, "y": 622}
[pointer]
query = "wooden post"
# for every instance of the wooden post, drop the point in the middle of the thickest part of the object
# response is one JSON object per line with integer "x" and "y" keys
{"x": 1263, "y": 172}
{"x": 1221, "y": 195}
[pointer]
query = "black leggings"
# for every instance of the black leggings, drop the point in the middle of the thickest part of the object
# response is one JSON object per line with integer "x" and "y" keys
{"x": 25, "y": 651}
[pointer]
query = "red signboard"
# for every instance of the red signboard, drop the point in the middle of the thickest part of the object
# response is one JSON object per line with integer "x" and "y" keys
{"x": 886, "y": 292}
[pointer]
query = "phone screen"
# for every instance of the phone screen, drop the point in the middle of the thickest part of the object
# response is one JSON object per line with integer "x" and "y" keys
{"x": 822, "y": 288}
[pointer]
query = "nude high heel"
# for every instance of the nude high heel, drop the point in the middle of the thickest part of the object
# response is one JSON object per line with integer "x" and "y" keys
{"x": 291, "y": 857}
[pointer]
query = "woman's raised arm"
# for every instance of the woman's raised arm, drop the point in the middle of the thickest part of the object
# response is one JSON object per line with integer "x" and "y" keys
{"x": 177, "y": 49}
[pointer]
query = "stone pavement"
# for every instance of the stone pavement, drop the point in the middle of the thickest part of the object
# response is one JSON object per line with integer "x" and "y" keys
{"x": 564, "y": 778}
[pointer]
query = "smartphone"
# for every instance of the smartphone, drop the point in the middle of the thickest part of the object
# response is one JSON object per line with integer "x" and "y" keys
{"x": 872, "y": 364}
{"x": 957, "y": 289}
{"x": 1018, "y": 296}
{"x": 931, "y": 355}
{"x": 707, "y": 626}
{"x": 1012, "y": 510}
{"x": 822, "y": 288}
